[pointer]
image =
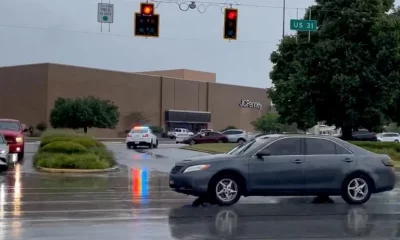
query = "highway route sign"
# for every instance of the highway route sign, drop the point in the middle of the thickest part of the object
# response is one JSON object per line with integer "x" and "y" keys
{"x": 105, "y": 13}
{"x": 303, "y": 25}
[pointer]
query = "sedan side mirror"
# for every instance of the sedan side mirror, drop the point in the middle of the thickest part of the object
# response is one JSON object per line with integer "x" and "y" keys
{"x": 263, "y": 153}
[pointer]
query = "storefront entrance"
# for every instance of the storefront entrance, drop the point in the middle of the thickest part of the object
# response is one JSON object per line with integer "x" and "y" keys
{"x": 194, "y": 121}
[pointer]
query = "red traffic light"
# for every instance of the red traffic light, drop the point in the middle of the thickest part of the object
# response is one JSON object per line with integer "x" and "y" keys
{"x": 231, "y": 14}
{"x": 147, "y": 8}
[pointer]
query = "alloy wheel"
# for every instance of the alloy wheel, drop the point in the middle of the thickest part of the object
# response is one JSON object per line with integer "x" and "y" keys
{"x": 357, "y": 189}
{"x": 226, "y": 190}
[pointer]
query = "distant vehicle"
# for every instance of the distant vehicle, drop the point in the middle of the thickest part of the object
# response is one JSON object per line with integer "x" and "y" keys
{"x": 3, "y": 152}
{"x": 364, "y": 135}
{"x": 286, "y": 165}
{"x": 389, "y": 137}
{"x": 13, "y": 131}
{"x": 236, "y": 135}
{"x": 141, "y": 136}
{"x": 206, "y": 137}
{"x": 179, "y": 133}
{"x": 206, "y": 130}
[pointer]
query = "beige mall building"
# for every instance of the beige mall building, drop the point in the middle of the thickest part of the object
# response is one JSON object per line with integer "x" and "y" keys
{"x": 171, "y": 98}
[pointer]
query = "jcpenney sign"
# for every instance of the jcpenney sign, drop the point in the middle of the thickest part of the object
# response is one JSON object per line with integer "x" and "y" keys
{"x": 250, "y": 104}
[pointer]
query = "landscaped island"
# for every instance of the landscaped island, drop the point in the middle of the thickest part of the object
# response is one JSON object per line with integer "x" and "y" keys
{"x": 68, "y": 150}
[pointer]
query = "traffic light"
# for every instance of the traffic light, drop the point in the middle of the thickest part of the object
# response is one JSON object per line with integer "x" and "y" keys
{"x": 146, "y": 21}
{"x": 230, "y": 23}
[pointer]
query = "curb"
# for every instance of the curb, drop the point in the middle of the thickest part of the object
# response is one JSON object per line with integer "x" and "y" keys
{"x": 198, "y": 150}
{"x": 60, "y": 170}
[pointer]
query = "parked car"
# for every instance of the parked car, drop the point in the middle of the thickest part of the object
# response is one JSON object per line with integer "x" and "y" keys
{"x": 141, "y": 136}
{"x": 286, "y": 165}
{"x": 13, "y": 131}
{"x": 206, "y": 130}
{"x": 388, "y": 137}
{"x": 236, "y": 135}
{"x": 206, "y": 137}
{"x": 364, "y": 135}
{"x": 3, "y": 152}
{"x": 179, "y": 132}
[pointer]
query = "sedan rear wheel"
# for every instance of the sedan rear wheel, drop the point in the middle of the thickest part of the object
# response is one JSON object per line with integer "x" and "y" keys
{"x": 226, "y": 190}
{"x": 192, "y": 142}
{"x": 357, "y": 189}
{"x": 220, "y": 141}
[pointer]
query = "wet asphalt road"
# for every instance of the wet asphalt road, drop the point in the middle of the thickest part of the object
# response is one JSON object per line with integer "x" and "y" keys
{"x": 136, "y": 203}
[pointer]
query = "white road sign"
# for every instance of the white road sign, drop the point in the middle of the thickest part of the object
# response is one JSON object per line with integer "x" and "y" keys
{"x": 105, "y": 13}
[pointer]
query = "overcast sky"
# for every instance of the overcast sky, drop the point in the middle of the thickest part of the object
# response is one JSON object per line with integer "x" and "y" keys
{"x": 67, "y": 32}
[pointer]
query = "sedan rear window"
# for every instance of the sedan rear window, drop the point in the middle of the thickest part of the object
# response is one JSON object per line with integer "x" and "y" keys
{"x": 2, "y": 140}
{"x": 140, "y": 130}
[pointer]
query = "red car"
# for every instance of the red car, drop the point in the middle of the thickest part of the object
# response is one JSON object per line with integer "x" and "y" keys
{"x": 206, "y": 137}
{"x": 13, "y": 132}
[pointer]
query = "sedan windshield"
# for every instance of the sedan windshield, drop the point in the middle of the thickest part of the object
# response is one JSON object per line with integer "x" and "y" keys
{"x": 6, "y": 125}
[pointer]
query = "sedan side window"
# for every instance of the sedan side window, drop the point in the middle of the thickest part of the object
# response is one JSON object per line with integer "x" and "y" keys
{"x": 341, "y": 150}
{"x": 286, "y": 146}
{"x": 317, "y": 146}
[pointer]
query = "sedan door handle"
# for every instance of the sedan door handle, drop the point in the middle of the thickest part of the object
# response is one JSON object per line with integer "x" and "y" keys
{"x": 297, "y": 161}
{"x": 348, "y": 160}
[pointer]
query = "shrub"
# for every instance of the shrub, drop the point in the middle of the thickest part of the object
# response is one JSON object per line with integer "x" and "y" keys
{"x": 42, "y": 126}
{"x": 46, "y": 140}
{"x": 64, "y": 147}
{"x": 69, "y": 161}
{"x": 104, "y": 154}
{"x": 156, "y": 129}
{"x": 87, "y": 142}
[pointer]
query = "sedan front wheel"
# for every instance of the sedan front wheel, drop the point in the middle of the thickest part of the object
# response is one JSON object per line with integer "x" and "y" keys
{"x": 225, "y": 190}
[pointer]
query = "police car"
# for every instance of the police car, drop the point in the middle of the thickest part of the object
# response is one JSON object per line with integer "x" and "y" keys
{"x": 141, "y": 136}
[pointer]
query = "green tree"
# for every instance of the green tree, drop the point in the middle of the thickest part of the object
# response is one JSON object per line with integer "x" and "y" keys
{"x": 270, "y": 123}
{"x": 84, "y": 112}
{"x": 348, "y": 74}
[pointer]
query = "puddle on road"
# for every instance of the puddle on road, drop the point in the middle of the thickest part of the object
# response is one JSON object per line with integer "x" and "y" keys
{"x": 143, "y": 154}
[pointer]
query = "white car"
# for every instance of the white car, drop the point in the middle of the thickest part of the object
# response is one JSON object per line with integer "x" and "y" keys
{"x": 4, "y": 157}
{"x": 179, "y": 132}
{"x": 389, "y": 137}
{"x": 141, "y": 136}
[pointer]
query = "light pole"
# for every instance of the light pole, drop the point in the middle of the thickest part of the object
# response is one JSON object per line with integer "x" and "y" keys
{"x": 283, "y": 18}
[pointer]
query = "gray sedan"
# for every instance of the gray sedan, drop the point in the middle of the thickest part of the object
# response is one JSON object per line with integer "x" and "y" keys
{"x": 286, "y": 165}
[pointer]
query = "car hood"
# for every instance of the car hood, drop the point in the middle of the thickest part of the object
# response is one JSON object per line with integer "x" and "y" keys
{"x": 10, "y": 132}
{"x": 205, "y": 159}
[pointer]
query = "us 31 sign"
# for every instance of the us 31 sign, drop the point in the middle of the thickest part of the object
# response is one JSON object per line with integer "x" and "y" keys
{"x": 250, "y": 104}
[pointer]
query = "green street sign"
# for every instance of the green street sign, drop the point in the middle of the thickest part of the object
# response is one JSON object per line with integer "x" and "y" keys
{"x": 303, "y": 25}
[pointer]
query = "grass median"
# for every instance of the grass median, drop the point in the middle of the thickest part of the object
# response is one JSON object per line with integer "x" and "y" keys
{"x": 391, "y": 149}
{"x": 68, "y": 150}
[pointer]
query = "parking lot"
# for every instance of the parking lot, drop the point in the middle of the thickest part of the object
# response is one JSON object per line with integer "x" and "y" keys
{"x": 136, "y": 203}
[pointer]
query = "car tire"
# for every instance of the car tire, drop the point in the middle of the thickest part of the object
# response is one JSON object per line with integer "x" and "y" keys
{"x": 241, "y": 141}
{"x": 217, "y": 191}
{"x": 151, "y": 145}
{"x": 156, "y": 145}
{"x": 220, "y": 141}
{"x": 20, "y": 155}
{"x": 350, "y": 186}
{"x": 396, "y": 141}
{"x": 192, "y": 142}
{"x": 128, "y": 146}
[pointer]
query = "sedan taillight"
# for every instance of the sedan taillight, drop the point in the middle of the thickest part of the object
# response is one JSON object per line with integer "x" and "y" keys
{"x": 145, "y": 135}
{"x": 129, "y": 135}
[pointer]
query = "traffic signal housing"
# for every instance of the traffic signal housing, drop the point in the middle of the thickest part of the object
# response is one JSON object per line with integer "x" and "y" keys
{"x": 146, "y": 21}
{"x": 230, "y": 23}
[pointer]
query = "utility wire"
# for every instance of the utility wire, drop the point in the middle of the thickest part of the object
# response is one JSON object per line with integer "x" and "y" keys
{"x": 131, "y": 36}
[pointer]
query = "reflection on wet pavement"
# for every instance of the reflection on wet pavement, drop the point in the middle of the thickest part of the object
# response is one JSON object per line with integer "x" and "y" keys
{"x": 136, "y": 203}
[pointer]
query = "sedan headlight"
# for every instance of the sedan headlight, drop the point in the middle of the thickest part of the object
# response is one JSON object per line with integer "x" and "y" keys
{"x": 196, "y": 168}
{"x": 19, "y": 139}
